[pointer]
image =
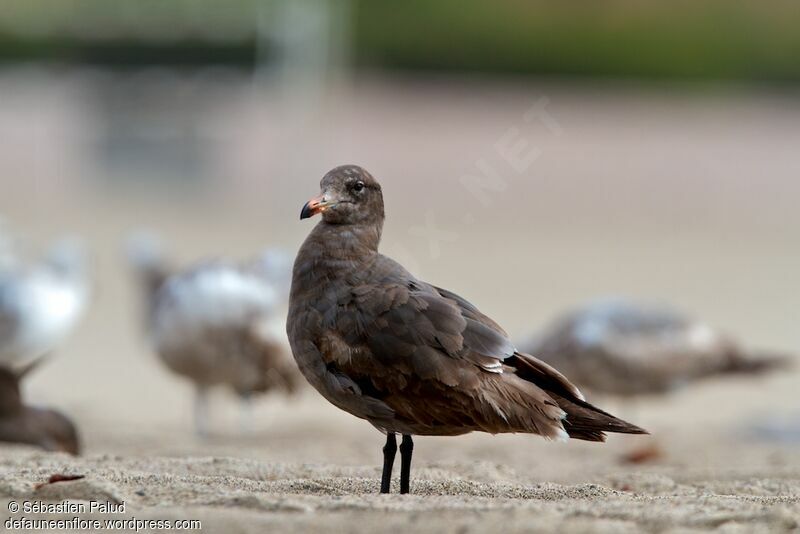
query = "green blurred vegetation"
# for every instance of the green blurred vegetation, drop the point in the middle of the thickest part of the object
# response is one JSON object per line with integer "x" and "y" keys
{"x": 129, "y": 33}
{"x": 633, "y": 38}
{"x": 681, "y": 39}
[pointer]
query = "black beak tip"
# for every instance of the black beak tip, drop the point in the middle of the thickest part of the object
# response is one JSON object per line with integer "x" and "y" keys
{"x": 307, "y": 212}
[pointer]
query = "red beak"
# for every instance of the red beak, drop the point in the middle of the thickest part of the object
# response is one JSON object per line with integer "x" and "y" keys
{"x": 313, "y": 206}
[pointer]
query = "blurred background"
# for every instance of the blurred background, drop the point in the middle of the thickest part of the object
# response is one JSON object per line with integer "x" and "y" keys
{"x": 533, "y": 154}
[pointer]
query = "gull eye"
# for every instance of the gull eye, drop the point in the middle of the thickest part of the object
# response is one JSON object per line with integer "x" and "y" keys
{"x": 359, "y": 186}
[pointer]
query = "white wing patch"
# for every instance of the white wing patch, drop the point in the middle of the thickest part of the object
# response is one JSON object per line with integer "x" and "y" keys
{"x": 495, "y": 367}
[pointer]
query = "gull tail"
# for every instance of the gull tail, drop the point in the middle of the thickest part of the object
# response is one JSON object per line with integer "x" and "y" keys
{"x": 589, "y": 423}
{"x": 584, "y": 421}
{"x": 759, "y": 362}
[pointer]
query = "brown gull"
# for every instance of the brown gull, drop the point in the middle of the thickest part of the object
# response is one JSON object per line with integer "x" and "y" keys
{"x": 411, "y": 358}
{"x": 46, "y": 429}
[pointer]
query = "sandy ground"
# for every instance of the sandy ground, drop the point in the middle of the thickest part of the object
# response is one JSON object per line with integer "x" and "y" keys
{"x": 689, "y": 197}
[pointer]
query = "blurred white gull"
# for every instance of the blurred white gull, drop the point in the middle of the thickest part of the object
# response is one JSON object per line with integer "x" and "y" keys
{"x": 41, "y": 304}
{"x": 217, "y": 323}
{"x": 625, "y": 348}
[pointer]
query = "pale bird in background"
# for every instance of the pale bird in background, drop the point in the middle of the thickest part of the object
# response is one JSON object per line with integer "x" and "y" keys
{"x": 217, "y": 323}
{"x": 625, "y": 348}
{"x": 41, "y": 303}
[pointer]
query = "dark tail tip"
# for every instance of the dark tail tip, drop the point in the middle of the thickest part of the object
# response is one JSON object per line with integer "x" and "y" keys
{"x": 760, "y": 363}
{"x": 589, "y": 423}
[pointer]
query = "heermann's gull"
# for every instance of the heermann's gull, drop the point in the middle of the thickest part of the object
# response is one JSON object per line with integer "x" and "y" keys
{"x": 217, "y": 325}
{"x": 408, "y": 357}
{"x": 41, "y": 304}
{"x": 620, "y": 347}
{"x": 22, "y": 424}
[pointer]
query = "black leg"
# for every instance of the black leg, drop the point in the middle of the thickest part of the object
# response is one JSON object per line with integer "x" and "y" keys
{"x": 389, "y": 452}
{"x": 406, "y": 451}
